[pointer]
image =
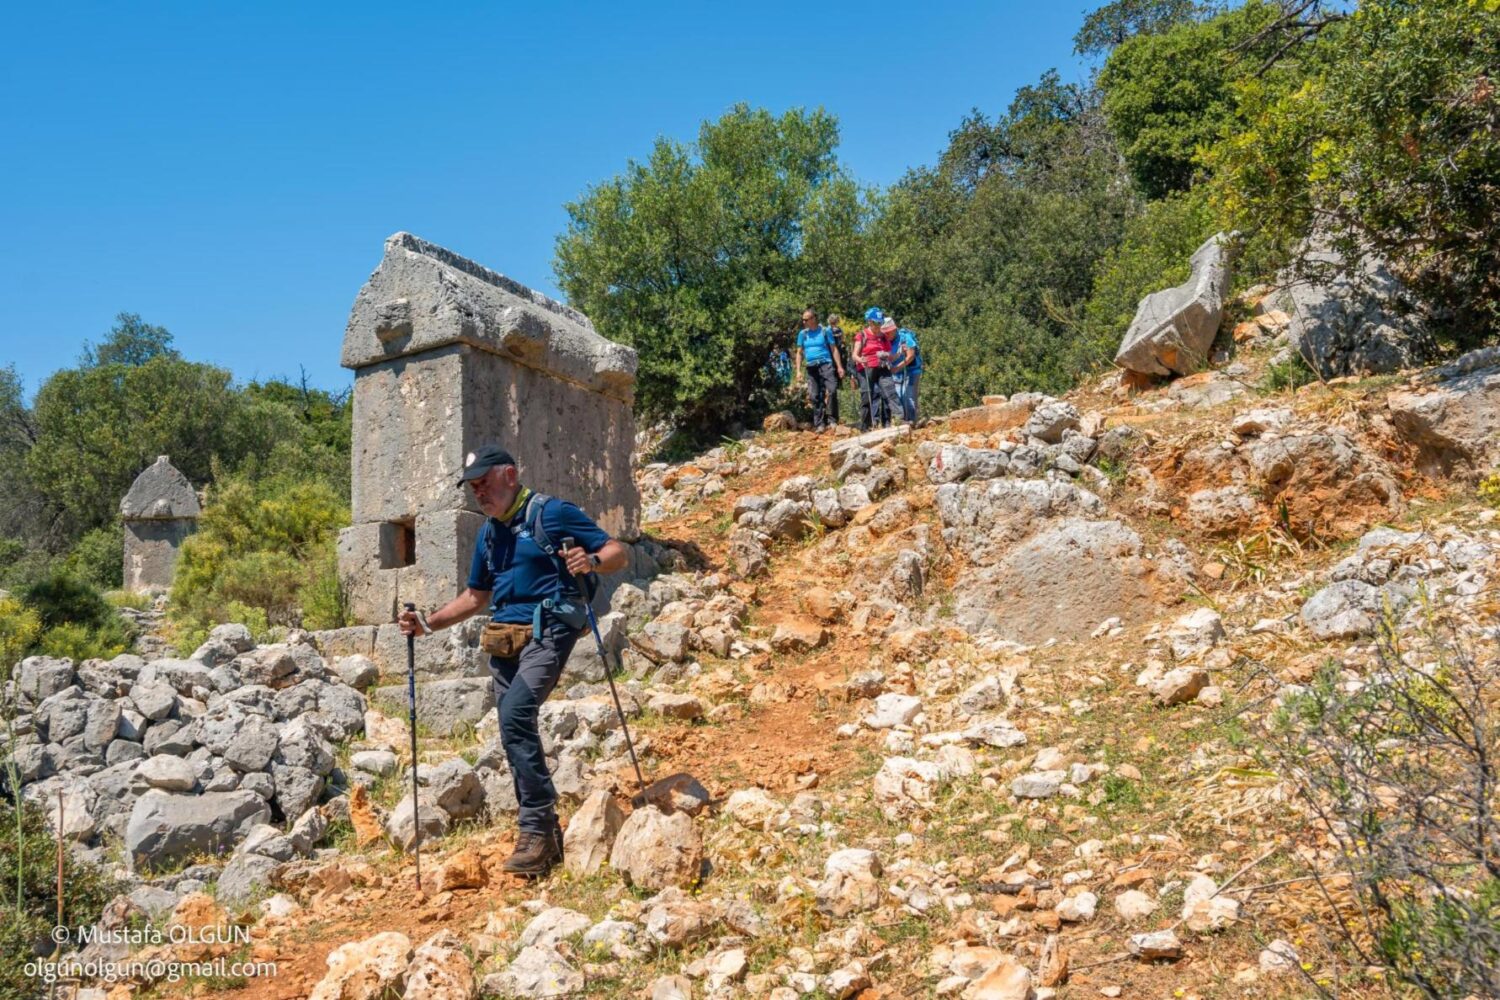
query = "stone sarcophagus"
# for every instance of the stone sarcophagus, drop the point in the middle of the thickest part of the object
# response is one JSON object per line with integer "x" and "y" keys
{"x": 158, "y": 513}
{"x": 449, "y": 355}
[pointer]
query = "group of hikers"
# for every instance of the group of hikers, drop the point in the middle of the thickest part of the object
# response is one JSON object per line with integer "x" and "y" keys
{"x": 885, "y": 368}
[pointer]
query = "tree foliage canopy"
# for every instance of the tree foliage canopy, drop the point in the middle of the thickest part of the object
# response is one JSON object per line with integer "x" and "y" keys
{"x": 702, "y": 256}
{"x": 1388, "y": 141}
{"x": 1114, "y": 23}
{"x": 1168, "y": 95}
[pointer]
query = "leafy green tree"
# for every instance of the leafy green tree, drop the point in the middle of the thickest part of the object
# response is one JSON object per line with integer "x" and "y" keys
{"x": 309, "y": 431}
{"x": 1391, "y": 145}
{"x": 99, "y": 426}
{"x": 25, "y": 512}
{"x": 702, "y": 256}
{"x": 1166, "y": 95}
{"x": 990, "y": 254}
{"x": 1114, "y": 23}
{"x": 131, "y": 341}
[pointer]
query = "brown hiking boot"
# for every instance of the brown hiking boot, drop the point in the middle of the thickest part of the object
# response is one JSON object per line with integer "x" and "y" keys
{"x": 535, "y": 854}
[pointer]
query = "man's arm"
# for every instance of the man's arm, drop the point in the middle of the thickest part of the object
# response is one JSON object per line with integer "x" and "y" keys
{"x": 797, "y": 368}
{"x": 612, "y": 558}
{"x": 465, "y": 605}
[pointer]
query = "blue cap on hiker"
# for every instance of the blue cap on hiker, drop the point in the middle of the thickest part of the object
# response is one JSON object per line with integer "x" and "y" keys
{"x": 874, "y": 314}
{"x": 482, "y": 460}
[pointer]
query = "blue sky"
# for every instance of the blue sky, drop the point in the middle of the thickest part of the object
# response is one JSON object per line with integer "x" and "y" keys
{"x": 230, "y": 171}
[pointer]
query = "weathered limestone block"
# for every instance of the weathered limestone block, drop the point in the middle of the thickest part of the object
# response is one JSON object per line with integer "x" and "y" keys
{"x": 1455, "y": 422}
{"x": 450, "y": 355}
{"x": 1347, "y": 320}
{"x": 1174, "y": 328}
{"x": 159, "y": 512}
{"x": 378, "y": 579}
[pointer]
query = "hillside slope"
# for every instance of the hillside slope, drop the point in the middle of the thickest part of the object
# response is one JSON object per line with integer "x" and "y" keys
{"x": 983, "y": 709}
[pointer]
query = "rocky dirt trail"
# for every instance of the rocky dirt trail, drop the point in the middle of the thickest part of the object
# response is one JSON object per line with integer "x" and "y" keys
{"x": 981, "y": 711}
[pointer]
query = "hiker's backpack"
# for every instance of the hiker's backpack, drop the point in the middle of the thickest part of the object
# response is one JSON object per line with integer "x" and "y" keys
{"x": 530, "y": 526}
{"x": 916, "y": 348}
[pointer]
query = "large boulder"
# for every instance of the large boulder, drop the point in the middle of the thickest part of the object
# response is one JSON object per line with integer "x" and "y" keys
{"x": 537, "y": 971}
{"x": 440, "y": 970}
{"x": 851, "y": 882}
{"x": 401, "y": 826}
{"x": 1454, "y": 422}
{"x": 41, "y": 677}
{"x": 1348, "y": 609}
{"x": 591, "y": 833}
{"x": 1173, "y": 329}
{"x": 165, "y": 829}
{"x": 1065, "y": 580}
{"x": 655, "y": 850}
{"x": 374, "y": 967}
{"x": 1350, "y": 320}
{"x": 245, "y": 878}
{"x": 444, "y": 707}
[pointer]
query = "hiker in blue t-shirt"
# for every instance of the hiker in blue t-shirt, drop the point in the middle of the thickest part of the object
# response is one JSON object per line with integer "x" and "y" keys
{"x": 906, "y": 367}
{"x": 522, "y": 575}
{"x": 817, "y": 356}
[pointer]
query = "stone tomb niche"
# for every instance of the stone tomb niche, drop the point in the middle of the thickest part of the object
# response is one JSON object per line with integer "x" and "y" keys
{"x": 447, "y": 356}
{"x": 158, "y": 512}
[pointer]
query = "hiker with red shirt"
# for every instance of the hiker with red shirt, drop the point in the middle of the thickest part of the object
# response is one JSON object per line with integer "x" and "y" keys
{"x": 872, "y": 357}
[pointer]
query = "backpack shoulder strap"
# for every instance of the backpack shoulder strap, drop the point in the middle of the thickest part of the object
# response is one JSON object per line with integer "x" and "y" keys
{"x": 487, "y": 541}
{"x": 529, "y": 524}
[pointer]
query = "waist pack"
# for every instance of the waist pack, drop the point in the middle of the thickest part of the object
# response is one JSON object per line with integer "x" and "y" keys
{"x": 504, "y": 640}
{"x": 570, "y": 613}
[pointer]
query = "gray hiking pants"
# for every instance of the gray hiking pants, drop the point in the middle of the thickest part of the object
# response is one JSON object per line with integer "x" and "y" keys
{"x": 522, "y": 683}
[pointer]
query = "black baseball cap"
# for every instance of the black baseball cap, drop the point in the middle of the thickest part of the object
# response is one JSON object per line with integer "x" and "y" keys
{"x": 482, "y": 460}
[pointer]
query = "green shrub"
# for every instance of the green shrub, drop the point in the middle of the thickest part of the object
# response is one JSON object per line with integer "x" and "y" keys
{"x": 263, "y": 555}
{"x": 1489, "y": 489}
{"x": 324, "y": 603}
{"x": 1288, "y": 375}
{"x": 134, "y": 600}
{"x": 97, "y": 558}
{"x": 28, "y": 854}
{"x": 20, "y": 628}
{"x": 61, "y": 598}
{"x": 79, "y": 642}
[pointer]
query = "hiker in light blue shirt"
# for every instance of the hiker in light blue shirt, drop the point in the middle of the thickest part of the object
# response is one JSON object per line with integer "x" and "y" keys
{"x": 817, "y": 357}
{"x": 906, "y": 366}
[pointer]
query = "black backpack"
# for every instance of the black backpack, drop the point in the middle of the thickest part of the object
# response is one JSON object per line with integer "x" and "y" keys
{"x": 531, "y": 526}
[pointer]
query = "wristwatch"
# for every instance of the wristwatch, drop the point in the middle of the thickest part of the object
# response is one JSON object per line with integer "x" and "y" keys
{"x": 594, "y": 559}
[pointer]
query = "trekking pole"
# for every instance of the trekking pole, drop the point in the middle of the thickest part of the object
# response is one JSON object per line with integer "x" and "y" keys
{"x": 411, "y": 715}
{"x": 588, "y": 608}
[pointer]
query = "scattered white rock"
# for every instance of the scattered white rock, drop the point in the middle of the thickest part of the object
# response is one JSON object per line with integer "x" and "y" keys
{"x": 892, "y": 709}
{"x": 1133, "y": 905}
{"x": 1078, "y": 909}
